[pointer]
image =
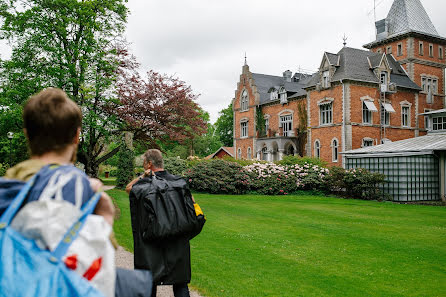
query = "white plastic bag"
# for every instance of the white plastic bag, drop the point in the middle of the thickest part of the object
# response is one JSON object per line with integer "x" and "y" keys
{"x": 91, "y": 254}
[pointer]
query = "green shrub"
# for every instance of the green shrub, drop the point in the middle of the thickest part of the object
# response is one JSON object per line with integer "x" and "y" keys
{"x": 3, "y": 168}
{"x": 241, "y": 162}
{"x": 363, "y": 184}
{"x": 138, "y": 170}
{"x": 175, "y": 165}
{"x": 335, "y": 180}
{"x": 296, "y": 160}
{"x": 126, "y": 166}
{"x": 218, "y": 176}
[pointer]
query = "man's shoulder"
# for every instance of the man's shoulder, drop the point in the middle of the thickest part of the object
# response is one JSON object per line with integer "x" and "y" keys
{"x": 167, "y": 175}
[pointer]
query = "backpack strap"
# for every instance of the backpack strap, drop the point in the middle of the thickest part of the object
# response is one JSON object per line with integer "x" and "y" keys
{"x": 14, "y": 207}
{"x": 75, "y": 229}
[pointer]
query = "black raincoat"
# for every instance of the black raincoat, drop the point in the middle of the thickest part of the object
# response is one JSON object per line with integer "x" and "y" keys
{"x": 163, "y": 222}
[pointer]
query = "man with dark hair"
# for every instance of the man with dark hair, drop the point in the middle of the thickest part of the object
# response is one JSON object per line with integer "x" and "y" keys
{"x": 169, "y": 260}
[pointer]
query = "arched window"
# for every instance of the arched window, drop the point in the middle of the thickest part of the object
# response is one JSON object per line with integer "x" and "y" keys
{"x": 244, "y": 101}
{"x": 239, "y": 153}
{"x": 249, "y": 153}
{"x": 335, "y": 150}
{"x": 317, "y": 149}
{"x": 265, "y": 153}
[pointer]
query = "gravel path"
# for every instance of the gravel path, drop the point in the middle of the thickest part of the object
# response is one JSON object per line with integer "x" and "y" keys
{"x": 124, "y": 259}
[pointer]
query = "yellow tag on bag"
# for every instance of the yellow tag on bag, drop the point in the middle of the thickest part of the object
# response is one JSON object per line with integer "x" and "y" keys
{"x": 198, "y": 210}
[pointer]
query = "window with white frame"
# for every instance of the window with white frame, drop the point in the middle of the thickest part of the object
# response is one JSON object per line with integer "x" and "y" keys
{"x": 326, "y": 113}
{"x": 366, "y": 113}
{"x": 385, "y": 116}
{"x": 383, "y": 77}
{"x": 389, "y": 49}
{"x": 266, "y": 125}
{"x": 286, "y": 122}
{"x": 317, "y": 149}
{"x": 405, "y": 116}
{"x": 367, "y": 142}
{"x": 326, "y": 79}
{"x": 431, "y": 50}
{"x": 440, "y": 52}
{"x": 273, "y": 95}
{"x": 420, "y": 48}
{"x": 438, "y": 123}
{"x": 239, "y": 153}
{"x": 429, "y": 85}
{"x": 283, "y": 98}
{"x": 244, "y": 129}
{"x": 335, "y": 150}
{"x": 426, "y": 119}
{"x": 244, "y": 101}
{"x": 249, "y": 153}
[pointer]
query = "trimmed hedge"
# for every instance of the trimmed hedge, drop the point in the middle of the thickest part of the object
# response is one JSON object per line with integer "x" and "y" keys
{"x": 218, "y": 177}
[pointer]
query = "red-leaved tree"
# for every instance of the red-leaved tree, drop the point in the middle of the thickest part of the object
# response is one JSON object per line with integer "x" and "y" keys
{"x": 157, "y": 107}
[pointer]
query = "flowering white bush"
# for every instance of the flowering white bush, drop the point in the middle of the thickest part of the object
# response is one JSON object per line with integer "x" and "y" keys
{"x": 270, "y": 178}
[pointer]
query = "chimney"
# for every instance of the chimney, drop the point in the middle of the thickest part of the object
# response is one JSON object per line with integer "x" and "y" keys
{"x": 287, "y": 75}
{"x": 382, "y": 29}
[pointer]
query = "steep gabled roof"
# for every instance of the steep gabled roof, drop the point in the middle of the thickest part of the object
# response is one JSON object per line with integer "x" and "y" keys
{"x": 355, "y": 65}
{"x": 407, "y": 16}
{"x": 333, "y": 59}
{"x": 265, "y": 82}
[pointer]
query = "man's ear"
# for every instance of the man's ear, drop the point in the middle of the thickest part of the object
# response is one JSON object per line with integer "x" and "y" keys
{"x": 25, "y": 132}
{"x": 76, "y": 139}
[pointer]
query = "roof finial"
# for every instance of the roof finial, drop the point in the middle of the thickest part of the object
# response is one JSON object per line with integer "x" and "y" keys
{"x": 345, "y": 40}
{"x": 246, "y": 63}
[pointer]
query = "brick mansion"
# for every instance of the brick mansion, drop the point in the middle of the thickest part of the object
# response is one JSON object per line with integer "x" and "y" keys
{"x": 358, "y": 98}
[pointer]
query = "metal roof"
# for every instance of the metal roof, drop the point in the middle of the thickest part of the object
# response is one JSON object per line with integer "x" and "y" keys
{"x": 409, "y": 15}
{"x": 427, "y": 143}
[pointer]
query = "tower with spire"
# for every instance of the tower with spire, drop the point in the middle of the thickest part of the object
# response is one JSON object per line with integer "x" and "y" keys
{"x": 410, "y": 36}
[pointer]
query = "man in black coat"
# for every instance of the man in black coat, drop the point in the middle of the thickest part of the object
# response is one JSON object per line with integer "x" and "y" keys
{"x": 168, "y": 259}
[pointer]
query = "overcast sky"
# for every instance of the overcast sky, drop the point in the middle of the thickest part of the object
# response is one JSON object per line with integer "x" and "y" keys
{"x": 203, "y": 41}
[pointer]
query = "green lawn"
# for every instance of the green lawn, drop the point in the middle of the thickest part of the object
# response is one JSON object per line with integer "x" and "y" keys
{"x": 313, "y": 246}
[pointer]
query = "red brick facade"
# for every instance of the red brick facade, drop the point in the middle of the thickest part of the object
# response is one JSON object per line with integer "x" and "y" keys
{"x": 347, "y": 129}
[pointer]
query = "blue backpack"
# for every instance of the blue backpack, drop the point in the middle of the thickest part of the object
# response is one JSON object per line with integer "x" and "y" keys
{"x": 28, "y": 271}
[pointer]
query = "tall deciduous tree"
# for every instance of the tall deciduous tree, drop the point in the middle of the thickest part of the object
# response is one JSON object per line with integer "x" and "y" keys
{"x": 225, "y": 125}
{"x": 69, "y": 44}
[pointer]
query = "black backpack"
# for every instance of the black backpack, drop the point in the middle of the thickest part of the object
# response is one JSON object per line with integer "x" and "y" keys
{"x": 166, "y": 209}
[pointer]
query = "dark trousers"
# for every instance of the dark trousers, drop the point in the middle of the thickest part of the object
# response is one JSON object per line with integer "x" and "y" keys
{"x": 179, "y": 290}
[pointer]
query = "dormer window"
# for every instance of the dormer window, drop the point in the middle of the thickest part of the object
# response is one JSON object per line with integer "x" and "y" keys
{"x": 326, "y": 79}
{"x": 274, "y": 95}
{"x": 283, "y": 97}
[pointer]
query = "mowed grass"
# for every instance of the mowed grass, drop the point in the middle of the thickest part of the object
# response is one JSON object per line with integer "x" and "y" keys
{"x": 313, "y": 246}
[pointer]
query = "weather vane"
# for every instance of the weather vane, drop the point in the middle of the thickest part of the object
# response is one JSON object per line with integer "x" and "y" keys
{"x": 345, "y": 40}
{"x": 246, "y": 63}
